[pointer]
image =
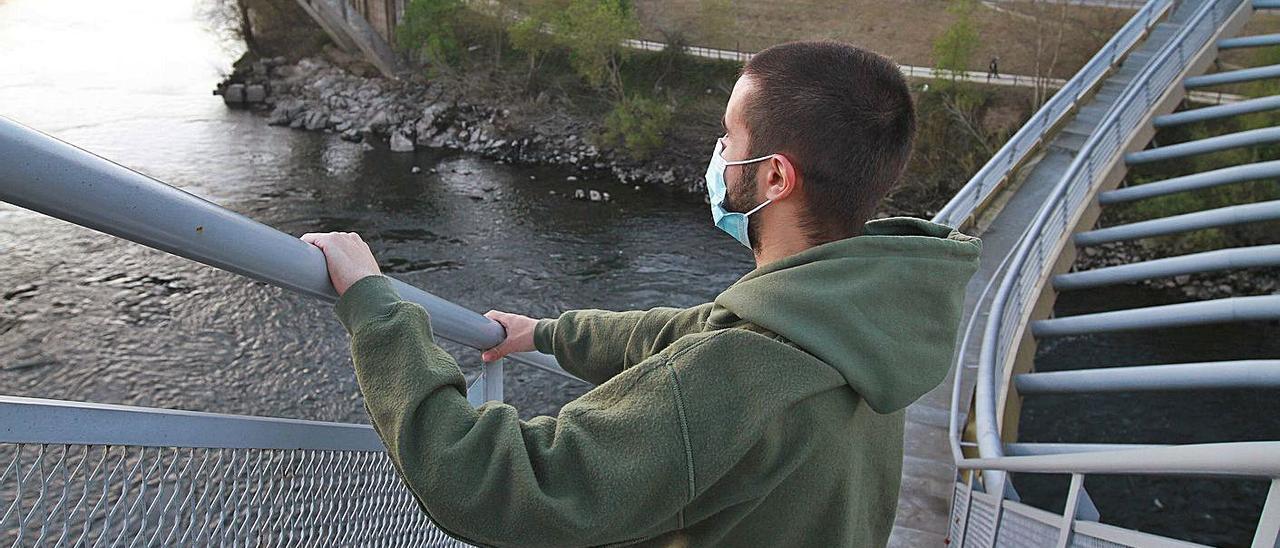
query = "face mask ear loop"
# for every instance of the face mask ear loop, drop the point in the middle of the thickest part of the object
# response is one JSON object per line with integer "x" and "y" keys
{"x": 720, "y": 149}
{"x": 758, "y": 208}
{"x": 751, "y": 161}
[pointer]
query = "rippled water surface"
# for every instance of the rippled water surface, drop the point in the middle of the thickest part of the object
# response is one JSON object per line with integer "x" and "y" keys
{"x": 85, "y": 316}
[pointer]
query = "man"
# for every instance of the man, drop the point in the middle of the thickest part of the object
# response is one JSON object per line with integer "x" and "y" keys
{"x": 772, "y": 416}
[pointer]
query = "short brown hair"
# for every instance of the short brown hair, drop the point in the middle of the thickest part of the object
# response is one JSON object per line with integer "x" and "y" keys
{"x": 843, "y": 116}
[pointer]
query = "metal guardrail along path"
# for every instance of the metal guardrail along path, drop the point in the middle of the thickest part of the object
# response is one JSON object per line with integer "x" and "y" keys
{"x": 998, "y": 365}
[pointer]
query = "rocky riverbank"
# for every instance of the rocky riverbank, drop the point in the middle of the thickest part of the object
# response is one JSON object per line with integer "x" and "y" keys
{"x": 1208, "y": 285}
{"x": 318, "y": 94}
{"x": 331, "y": 93}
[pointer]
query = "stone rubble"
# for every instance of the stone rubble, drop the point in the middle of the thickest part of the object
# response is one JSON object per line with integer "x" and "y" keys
{"x": 315, "y": 95}
{"x": 1204, "y": 286}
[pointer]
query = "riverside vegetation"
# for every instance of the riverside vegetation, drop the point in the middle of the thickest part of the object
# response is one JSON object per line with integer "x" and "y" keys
{"x": 547, "y": 81}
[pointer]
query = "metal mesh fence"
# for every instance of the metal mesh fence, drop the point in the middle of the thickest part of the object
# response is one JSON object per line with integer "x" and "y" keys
{"x": 1017, "y": 530}
{"x": 981, "y": 526}
{"x": 102, "y": 495}
{"x": 1084, "y": 541}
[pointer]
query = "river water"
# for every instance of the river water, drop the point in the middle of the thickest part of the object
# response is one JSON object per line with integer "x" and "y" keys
{"x": 87, "y": 317}
{"x": 111, "y": 321}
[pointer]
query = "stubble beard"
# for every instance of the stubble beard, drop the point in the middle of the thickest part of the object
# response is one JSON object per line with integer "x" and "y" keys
{"x": 741, "y": 198}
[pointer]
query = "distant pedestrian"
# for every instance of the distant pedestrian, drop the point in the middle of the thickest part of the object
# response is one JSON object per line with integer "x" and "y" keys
{"x": 993, "y": 69}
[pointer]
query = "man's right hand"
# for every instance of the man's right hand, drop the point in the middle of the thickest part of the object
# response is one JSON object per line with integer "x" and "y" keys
{"x": 519, "y": 335}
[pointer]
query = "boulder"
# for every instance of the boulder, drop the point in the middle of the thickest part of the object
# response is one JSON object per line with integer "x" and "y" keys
{"x": 401, "y": 143}
{"x": 233, "y": 94}
{"x": 255, "y": 93}
{"x": 279, "y": 116}
{"x": 317, "y": 120}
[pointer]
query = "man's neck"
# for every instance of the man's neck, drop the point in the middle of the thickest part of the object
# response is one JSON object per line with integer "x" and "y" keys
{"x": 778, "y": 250}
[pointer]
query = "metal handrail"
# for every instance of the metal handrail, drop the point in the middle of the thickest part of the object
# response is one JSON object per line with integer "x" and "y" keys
{"x": 1019, "y": 147}
{"x": 1245, "y": 459}
{"x": 57, "y": 422}
{"x": 1018, "y": 282}
{"x": 44, "y": 174}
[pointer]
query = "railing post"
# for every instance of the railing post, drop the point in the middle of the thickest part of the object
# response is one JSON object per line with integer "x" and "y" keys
{"x": 487, "y": 387}
{"x": 1073, "y": 506}
{"x": 1268, "y": 533}
{"x": 493, "y": 372}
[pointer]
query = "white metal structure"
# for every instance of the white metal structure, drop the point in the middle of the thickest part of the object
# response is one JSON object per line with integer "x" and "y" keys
{"x": 985, "y": 510}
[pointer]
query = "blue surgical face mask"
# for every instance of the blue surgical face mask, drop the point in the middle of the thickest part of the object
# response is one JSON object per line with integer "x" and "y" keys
{"x": 731, "y": 222}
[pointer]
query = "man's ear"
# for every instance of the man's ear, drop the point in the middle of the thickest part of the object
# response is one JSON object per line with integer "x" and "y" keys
{"x": 782, "y": 179}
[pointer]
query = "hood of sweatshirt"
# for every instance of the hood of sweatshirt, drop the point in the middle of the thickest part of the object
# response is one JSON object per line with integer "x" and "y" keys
{"x": 882, "y": 308}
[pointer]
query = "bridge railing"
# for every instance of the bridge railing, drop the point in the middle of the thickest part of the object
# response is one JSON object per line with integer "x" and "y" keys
{"x": 117, "y": 475}
{"x": 1016, "y": 294}
{"x": 1003, "y": 165}
{"x": 76, "y": 474}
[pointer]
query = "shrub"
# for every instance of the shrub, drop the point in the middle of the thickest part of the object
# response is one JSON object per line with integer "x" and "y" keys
{"x": 429, "y": 29}
{"x": 638, "y": 124}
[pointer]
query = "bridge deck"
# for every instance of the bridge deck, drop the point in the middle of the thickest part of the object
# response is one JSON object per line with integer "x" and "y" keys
{"x": 928, "y": 472}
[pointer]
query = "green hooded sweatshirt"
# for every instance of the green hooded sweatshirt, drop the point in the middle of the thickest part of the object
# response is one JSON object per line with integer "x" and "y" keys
{"x": 770, "y": 417}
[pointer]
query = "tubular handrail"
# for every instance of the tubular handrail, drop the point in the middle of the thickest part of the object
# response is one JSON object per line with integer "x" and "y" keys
{"x": 58, "y": 422}
{"x": 50, "y": 176}
{"x": 1018, "y": 282}
{"x": 1018, "y": 148}
{"x": 1252, "y": 459}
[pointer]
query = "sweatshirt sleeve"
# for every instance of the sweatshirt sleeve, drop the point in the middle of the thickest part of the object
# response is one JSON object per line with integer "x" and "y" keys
{"x": 595, "y": 345}
{"x": 613, "y": 466}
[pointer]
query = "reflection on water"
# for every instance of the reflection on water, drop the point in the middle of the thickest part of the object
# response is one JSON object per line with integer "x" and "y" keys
{"x": 104, "y": 320}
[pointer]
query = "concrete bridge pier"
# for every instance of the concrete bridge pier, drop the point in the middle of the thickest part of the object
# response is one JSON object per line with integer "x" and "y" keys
{"x": 364, "y": 27}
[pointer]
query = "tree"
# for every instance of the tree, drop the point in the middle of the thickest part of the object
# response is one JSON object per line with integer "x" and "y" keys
{"x": 532, "y": 33}
{"x": 953, "y": 50}
{"x": 428, "y": 29}
{"x": 593, "y": 32}
{"x": 1044, "y": 68}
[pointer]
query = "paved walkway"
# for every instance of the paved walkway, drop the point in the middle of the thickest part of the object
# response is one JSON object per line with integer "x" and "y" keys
{"x": 912, "y": 71}
{"x": 1117, "y": 4}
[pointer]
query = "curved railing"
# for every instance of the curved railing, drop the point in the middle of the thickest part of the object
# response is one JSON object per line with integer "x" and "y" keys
{"x": 997, "y": 171}
{"x": 1039, "y": 247}
{"x": 1016, "y": 292}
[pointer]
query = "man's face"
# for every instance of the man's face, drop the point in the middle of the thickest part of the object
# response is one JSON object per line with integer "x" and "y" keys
{"x": 741, "y": 194}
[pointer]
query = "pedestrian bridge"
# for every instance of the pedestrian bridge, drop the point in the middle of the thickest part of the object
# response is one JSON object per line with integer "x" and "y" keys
{"x": 74, "y": 473}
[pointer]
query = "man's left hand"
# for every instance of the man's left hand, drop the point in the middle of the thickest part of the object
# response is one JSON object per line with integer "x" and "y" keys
{"x": 347, "y": 256}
